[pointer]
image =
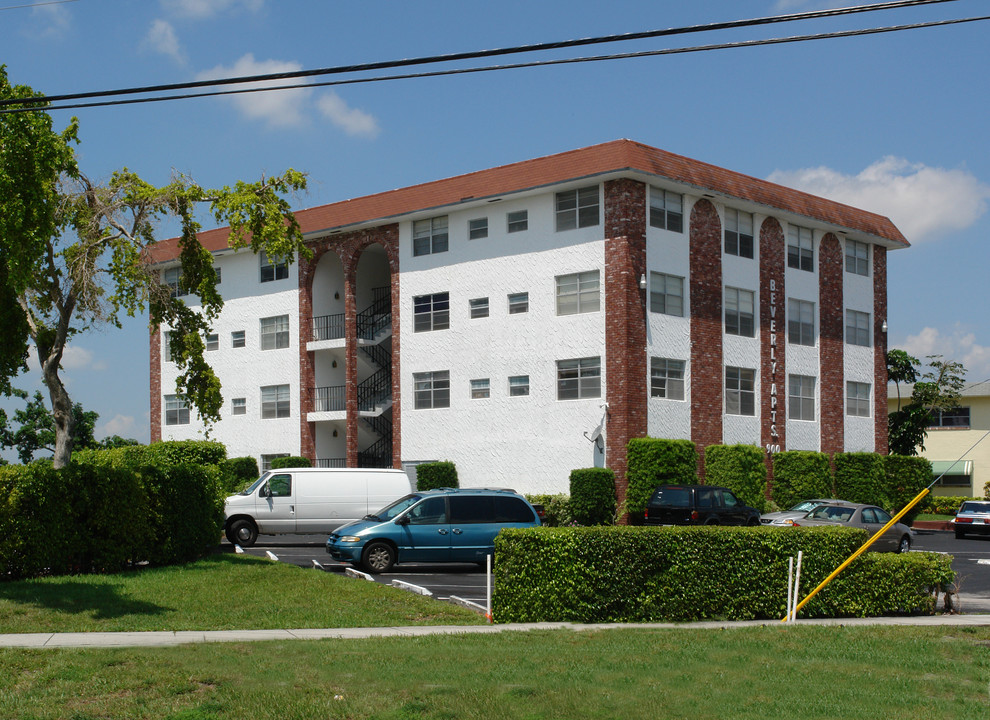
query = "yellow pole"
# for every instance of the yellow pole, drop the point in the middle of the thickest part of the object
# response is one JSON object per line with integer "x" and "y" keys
{"x": 859, "y": 552}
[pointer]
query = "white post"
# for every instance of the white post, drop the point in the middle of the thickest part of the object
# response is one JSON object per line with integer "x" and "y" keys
{"x": 488, "y": 587}
{"x": 797, "y": 585}
{"x": 790, "y": 585}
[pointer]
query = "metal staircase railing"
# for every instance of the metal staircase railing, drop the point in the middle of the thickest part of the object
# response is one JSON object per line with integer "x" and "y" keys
{"x": 376, "y": 318}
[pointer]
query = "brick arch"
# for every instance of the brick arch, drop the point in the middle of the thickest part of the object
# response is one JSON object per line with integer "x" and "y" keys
{"x": 707, "y": 385}
{"x": 830, "y": 342}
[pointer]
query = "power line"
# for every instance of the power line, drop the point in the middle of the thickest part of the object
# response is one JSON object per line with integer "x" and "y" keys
{"x": 37, "y": 4}
{"x": 515, "y": 66}
{"x": 478, "y": 54}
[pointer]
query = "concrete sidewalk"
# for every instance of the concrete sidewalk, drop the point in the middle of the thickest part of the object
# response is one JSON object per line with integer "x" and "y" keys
{"x": 183, "y": 637}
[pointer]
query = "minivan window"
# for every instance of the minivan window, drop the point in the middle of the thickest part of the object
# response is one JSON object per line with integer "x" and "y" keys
{"x": 472, "y": 509}
{"x": 512, "y": 510}
{"x": 280, "y": 485}
{"x": 432, "y": 511}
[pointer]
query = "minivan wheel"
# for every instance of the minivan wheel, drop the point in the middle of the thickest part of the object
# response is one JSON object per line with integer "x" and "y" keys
{"x": 378, "y": 557}
{"x": 905, "y": 545}
{"x": 242, "y": 532}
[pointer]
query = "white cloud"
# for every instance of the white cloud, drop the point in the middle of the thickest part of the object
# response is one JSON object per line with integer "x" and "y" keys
{"x": 161, "y": 38}
{"x": 958, "y": 346}
{"x": 924, "y": 202}
{"x": 53, "y": 20}
{"x": 122, "y": 425}
{"x": 279, "y": 108}
{"x": 76, "y": 358}
{"x": 351, "y": 120}
{"x": 200, "y": 9}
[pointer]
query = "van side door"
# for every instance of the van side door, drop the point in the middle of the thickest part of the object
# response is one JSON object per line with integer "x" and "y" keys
{"x": 275, "y": 505}
{"x": 424, "y": 533}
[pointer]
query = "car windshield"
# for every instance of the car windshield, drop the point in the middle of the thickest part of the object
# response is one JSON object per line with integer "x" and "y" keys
{"x": 975, "y": 507}
{"x": 390, "y": 511}
{"x": 832, "y": 513}
{"x": 254, "y": 486}
{"x": 806, "y": 506}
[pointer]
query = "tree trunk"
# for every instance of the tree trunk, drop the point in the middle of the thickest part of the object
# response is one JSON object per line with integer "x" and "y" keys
{"x": 61, "y": 413}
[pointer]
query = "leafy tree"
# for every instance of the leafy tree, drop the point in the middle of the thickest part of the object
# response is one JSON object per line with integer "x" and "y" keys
{"x": 936, "y": 387}
{"x": 36, "y": 428}
{"x": 76, "y": 254}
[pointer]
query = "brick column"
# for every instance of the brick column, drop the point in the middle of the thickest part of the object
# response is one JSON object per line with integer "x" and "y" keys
{"x": 155, "y": 394}
{"x": 625, "y": 322}
{"x": 831, "y": 344}
{"x": 707, "y": 385}
{"x": 307, "y": 370}
{"x": 880, "y": 349}
{"x": 773, "y": 339}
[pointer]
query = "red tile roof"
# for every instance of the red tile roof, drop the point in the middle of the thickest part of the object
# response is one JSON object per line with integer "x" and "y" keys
{"x": 616, "y": 156}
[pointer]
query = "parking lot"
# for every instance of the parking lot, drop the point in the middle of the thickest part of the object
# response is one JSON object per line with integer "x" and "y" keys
{"x": 971, "y": 561}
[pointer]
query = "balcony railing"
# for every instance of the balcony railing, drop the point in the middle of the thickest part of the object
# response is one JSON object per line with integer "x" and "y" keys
{"x": 330, "y": 399}
{"x": 331, "y": 462}
{"x": 328, "y": 327}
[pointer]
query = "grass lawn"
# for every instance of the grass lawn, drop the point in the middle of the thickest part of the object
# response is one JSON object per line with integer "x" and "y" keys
{"x": 773, "y": 671}
{"x": 936, "y": 518}
{"x": 220, "y": 592}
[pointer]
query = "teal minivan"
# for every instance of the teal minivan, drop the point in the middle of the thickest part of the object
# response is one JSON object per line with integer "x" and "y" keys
{"x": 433, "y": 526}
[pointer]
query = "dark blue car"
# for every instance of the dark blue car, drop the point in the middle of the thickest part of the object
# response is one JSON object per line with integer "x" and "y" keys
{"x": 434, "y": 526}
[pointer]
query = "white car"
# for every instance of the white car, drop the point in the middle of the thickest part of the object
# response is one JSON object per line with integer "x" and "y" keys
{"x": 787, "y": 517}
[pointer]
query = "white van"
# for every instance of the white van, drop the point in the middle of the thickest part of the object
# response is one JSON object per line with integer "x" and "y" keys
{"x": 309, "y": 500}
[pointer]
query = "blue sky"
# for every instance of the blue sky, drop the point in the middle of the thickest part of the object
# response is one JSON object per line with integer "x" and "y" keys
{"x": 894, "y": 123}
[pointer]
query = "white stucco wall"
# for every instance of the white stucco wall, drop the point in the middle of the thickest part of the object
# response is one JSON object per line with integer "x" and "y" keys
{"x": 858, "y": 361}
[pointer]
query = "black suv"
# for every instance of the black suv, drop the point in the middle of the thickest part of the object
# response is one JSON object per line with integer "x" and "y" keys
{"x": 698, "y": 505}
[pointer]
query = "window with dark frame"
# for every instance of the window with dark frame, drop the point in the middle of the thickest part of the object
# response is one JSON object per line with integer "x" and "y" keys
{"x": 857, "y": 328}
{"x": 666, "y": 294}
{"x": 478, "y": 228}
{"x": 517, "y": 221}
{"x": 518, "y": 303}
{"x": 431, "y": 312}
{"x": 955, "y": 418}
{"x": 481, "y": 389}
{"x": 577, "y": 208}
{"x": 667, "y": 378}
{"x": 800, "y": 248}
{"x": 740, "y": 312}
{"x": 176, "y": 410}
{"x": 430, "y": 236}
{"x": 666, "y": 210}
{"x": 272, "y": 270}
{"x": 800, "y": 322}
{"x": 738, "y": 233}
{"x": 275, "y": 332}
{"x": 857, "y": 257}
{"x": 857, "y": 399}
{"x": 579, "y": 378}
{"x": 431, "y": 389}
{"x": 518, "y": 385}
{"x": 800, "y": 397}
{"x": 479, "y": 307}
{"x": 578, "y": 293}
{"x": 740, "y": 391}
{"x": 275, "y": 402}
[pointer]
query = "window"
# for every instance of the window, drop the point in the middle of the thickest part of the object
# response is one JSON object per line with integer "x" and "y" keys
{"x": 275, "y": 332}
{"x": 577, "y": 293}
{"x": 432, "y": 389}
{"x": 278, "y": 270}
{"x": 237, "y": 339}
{"x": 432, "y": 511}
{"x": 667, "y": 378}
{"x": 800, "y": 322}
{"x": 478, "y": 228}
{"x": 479, "y": 307}
{"x": 213, "y": 342}
{"x": 274, "y": 402}
{"x": 167, "y": 346}
{"x": 800, "y": 397}
{"x": 481, "y": 389}
{"x": 518, "y": 385}
{"x": 800, "y": 253}
{"x": 430, "y": 236}
{"x": 431, "y": 312}
{"x": 172, "y": 278}
{"x": 857, "y": 399}
{"x": 740, "y": 312}
{"x": 238, "y": 406}
{"x": 517, "y": 221}
{"x": 176, "y": 410}
{"x": 666, "y": 294}
{"x": 857, "y": 328}
{"x": 579, "y": 378}
{"x": 266, "y": 460}
{"x": 954, "y": 418}
{"x": 577, "y": 208}
{"x": 518, "y": 303}
{"x": 738, "y": 233}
{"x": 857, "y": 257}
{"x": 216, "y": 269}
{"x": 740, "y": 391}
{"x": 665, "y": 210}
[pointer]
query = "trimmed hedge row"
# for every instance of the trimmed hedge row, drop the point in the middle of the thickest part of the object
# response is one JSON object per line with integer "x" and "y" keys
{"x": 652, "y": 462}
{"x": 593, "y": 496}
{"x": 944, "y": 504}
{"x": 642, "y": 574}
{"x": 109, "y": 509}
{"x": 741, "y": 469}
{"x": 290, "y": 461}
{"x": 430, "y": 476}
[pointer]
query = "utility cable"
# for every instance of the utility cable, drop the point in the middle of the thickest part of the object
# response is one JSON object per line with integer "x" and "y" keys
{"x": 473, "y": 55}
{"x": 514, "y": 66}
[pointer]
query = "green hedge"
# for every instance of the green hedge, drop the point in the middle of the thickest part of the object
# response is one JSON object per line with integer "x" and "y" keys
{"x": 742, "y": 469}
{"x": 642, "y": 574}
{"x": 160, "y": 454}
{"x": 430, "y": 476}
{"x": 860, "y": 478}
{"x": 556, "y": 509}
{"x": 290, "y": 462}
{"x": 944, "y": 504}
{"x": 906, "y": 476}
{"x": 237, "y": 473}
{"x": 652, "y": 462}
{"x": 100, "y": 514}
{"x": 593, "y": 496}
{"x": 800, "y": 475}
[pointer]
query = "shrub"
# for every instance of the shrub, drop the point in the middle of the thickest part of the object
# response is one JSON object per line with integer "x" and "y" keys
{"x": 289, "y": 462}
{"x": 430, "y": 476}
{"x": 593, "y": 496}
{"x": 185, "y": 511}
{"x": 905, "y": 477}
{"x": 556, "y": 509}
{"x": 860, "y": 478}
{"x": 652, "y": 462}
{"x": 237, "y": 473}
{"x": 644, "y": 574}
{"x": 742, "y": 469}
{"x": 800, "y": 475}
{"x": 944, "y": 504}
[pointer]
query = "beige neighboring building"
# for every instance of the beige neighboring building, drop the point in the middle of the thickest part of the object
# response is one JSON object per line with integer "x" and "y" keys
{"x": 965, "y": 469}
